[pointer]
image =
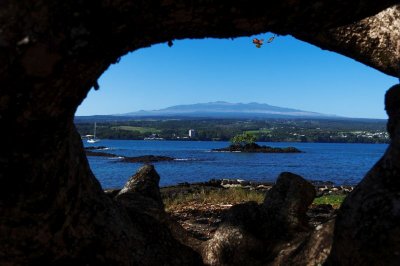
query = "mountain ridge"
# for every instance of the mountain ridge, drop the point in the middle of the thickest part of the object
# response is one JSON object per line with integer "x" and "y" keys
{"x": 222, "y": 109}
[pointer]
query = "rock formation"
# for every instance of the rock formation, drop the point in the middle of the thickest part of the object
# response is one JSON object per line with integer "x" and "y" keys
{"x": 254, "y": 147}
{"x": 255, "y": 234}
{"x": 93, "y": 151}
{"x": 368, "y": 224}
{"x": 53, "y": 210}
{"x": 141, "y": 195}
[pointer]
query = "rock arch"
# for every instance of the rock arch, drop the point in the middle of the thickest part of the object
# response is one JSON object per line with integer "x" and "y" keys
{"x": 51, "y": 53}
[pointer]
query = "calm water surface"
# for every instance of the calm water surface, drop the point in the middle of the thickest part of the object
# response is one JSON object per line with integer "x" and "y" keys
{"x": 340, "y": 163}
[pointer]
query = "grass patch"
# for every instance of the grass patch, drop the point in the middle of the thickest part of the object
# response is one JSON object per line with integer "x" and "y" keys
{"x": 334, "y": 200}
{"x": 139, "y": 129}
{"x": 233, "y": 196}
{"x": 220, "y": 196}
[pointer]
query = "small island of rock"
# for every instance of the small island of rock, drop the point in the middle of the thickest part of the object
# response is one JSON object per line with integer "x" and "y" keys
{"x": 246, "y": 142}
{"x": 253, "y": 147}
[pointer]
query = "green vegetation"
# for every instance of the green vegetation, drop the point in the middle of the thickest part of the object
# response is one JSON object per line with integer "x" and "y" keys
{"x": 142, "y": 130}
{"x": 235, "y": 196}
{"x": 244, "y": 138}
{"x": 271, "y": 130}
{"x": 217, "y": 196}
{"x": 334, "y": 200}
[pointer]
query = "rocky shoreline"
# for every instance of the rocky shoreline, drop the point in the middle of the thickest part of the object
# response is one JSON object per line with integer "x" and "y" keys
{"x": 255, "y": 148}
{"x": 282, "y": 226}
{"x": 201, "y": 220}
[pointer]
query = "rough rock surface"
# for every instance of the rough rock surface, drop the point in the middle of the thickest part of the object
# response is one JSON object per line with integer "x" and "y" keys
{"x": 53, "y": 210}
{"x": 141, "y": 194}
{"x": 287, "y": 202}
{"x": 253, "y": 234}
{"x": 144, "y": 184}
{"x": 367, "y": 229}
{"x": 309, "y": 249}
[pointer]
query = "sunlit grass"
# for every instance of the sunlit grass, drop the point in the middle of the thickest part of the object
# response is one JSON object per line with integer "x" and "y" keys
{"x": 222, "y": 196}
{"x": 334, "y": 200}
{"x": 234, "y": 196}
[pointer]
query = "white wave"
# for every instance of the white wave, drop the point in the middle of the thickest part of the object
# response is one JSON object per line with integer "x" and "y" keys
{"x": 224, "y": 151}
{"x": 116, "y": 158}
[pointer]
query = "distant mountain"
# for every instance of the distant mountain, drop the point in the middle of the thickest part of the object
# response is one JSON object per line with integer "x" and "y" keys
{"x": 228, "y": 110}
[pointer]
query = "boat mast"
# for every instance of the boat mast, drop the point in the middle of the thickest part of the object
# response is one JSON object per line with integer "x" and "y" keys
{"x": 94, "y": 133}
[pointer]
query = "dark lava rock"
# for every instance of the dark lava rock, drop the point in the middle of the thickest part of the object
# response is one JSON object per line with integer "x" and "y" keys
{"x": 321, "y": 213}
{"x": 287, "y": 203}
{"x": 145, "y": 184}
{"x": 141, "y": 194}
{"x": 96, "y": 148}
{"x": 138, "y": 159}
{"x": 252, "y": 234}
{"x": 147, "y": 159}
{"x": 257, "y": 148}
{"x": 367, "y": 230}
{"x": 100, "y": 154}
{"x": 307, "y": 249}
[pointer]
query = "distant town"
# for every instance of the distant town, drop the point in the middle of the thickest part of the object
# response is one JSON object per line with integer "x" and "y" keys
{"x": 270, "y": 130}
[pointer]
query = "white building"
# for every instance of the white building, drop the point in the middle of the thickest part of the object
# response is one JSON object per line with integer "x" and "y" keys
{"x": 192, "y": 133}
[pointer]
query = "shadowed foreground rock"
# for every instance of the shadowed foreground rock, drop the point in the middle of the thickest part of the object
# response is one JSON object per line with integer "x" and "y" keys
{"x": 142, "y": 190}
{"x": 368, "y": 225}
{"x": 255, "y": 234}
{"x": 141, "y": 194}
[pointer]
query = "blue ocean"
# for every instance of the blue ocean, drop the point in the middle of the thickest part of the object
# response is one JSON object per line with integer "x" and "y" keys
{"x": 343, "y": 164}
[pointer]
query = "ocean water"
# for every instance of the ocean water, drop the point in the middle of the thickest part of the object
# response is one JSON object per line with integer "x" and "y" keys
{"x": 339, "y": 163}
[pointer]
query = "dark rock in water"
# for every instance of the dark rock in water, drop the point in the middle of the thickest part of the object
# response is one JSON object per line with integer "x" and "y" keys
{"x": 96, "y": 148}
{"x": 367, "y": 230}
{"x": 100, "y": 154}
{"x": 147, "y": 159}
{"x": 252, "y": 234}
{"x": 138, "y": 159}
{"x": 253, "y": 147}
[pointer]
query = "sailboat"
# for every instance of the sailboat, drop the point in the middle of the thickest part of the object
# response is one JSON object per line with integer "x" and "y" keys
{"x": 93, "y": 139}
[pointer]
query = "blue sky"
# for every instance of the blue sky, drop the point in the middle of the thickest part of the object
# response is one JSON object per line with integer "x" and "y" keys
{"x": 286, "y": 73}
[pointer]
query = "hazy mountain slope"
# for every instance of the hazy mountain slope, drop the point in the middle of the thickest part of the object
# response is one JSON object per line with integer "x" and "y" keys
{"x": 229, "y": 110}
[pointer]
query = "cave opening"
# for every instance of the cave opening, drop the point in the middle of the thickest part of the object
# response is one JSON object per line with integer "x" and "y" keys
{"x": 286, "y": 72}
{"x": 53, "y": 209}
